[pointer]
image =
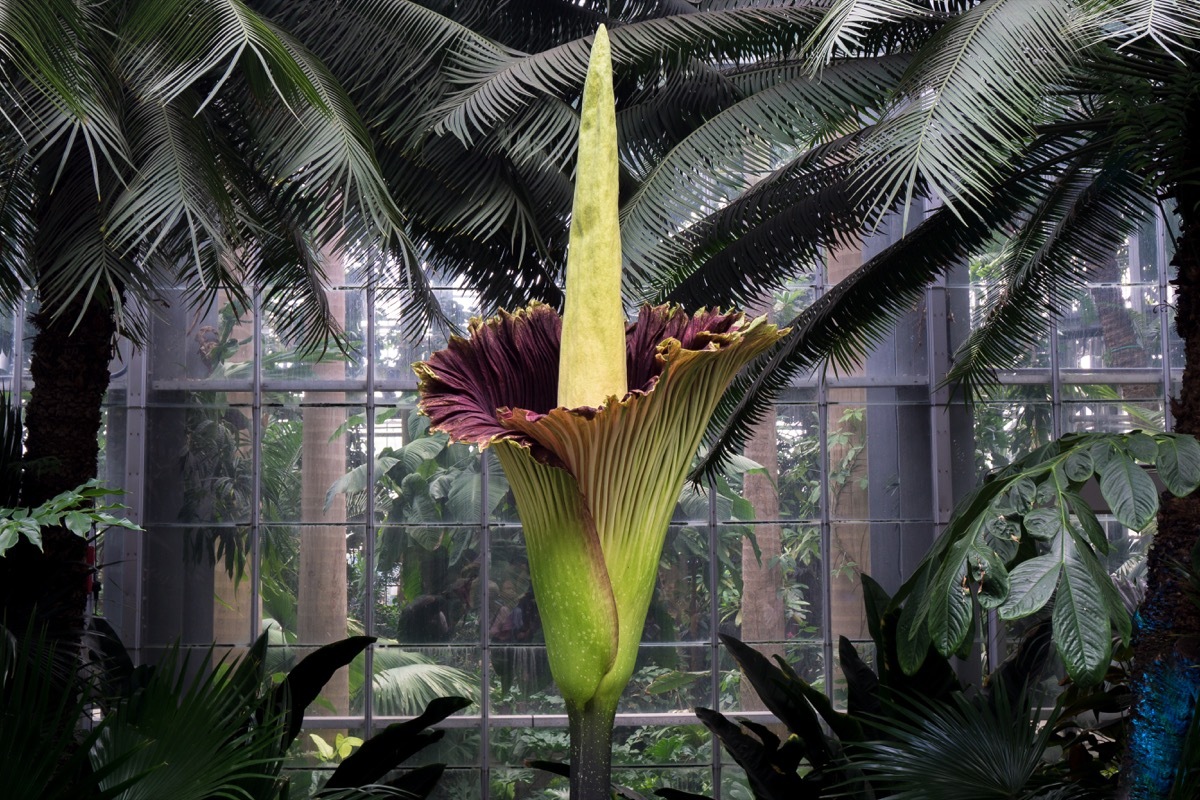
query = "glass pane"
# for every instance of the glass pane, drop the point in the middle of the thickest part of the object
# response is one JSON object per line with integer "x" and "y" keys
{"x": 199, "y": 452}
{"x": 286, "y": 360}
{"x": 312, "y": 585}
{"x": 427, "y": 584}
{"x": 405, "y": 679}
{"x": 398, "y": 343}
{"x": 196, "y": 585}
{"x": 312, "y": 454}
{"x": 1112, "y": 327}
{"x": 1017, "y": 421}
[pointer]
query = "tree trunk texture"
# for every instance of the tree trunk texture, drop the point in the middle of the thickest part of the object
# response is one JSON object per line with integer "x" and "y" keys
{"x": 850, "y": 534}
{"x": 321, "y": 602}
{"x": 762, "y": 578}
{"x": 62, "y": 423}
{"x": 1122, "y": 347}
{"x": 1166, "y": 679}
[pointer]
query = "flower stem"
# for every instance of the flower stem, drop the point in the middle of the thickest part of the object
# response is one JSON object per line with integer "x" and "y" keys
{"x": 591, "y": 749}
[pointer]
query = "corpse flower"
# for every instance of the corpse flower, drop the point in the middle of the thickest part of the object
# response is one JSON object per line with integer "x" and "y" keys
{"x": 595, "y": 424}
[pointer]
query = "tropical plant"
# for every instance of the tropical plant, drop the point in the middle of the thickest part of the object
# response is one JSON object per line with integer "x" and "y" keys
{"x": 183, "y": 729}
{"x": 79, "y": 510}
{"x": 139, "y": 154}
{"x": 1046, "y": 131}
{"x": 596, "y": 451}
{"x": 1026, "y": 536}
{"x": 903, "y": 734}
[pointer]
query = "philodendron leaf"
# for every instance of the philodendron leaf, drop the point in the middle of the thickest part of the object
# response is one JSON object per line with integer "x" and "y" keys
{"x": 1031, "y": 584}
{"x": 1178, "y": 463}
{"x": 418, "y": 451}
{"x": 951, "y": 609}
{"x": 1043, "y": 523}
{"x": 1082, "y": 632}
{"x": 1128, "y": 491}
{"x": 356, "y": 479}
{"x": 989, "y": 575}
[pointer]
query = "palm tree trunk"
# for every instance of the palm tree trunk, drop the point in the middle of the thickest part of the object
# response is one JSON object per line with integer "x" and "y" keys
{"x": 71, "y": 353}
{"x": 1166, "y": 652}
{"x": 321, "y": 607}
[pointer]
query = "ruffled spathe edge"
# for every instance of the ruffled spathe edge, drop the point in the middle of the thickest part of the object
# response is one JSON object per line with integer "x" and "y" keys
{"x": 505, "y": 376}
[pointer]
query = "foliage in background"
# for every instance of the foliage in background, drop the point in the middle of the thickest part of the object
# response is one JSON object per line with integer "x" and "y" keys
{"x": 1027, "y": 536}
{"x": 181, "y": 729}
{"x": 904, "y": 736}
{"x": 79, "y": 510}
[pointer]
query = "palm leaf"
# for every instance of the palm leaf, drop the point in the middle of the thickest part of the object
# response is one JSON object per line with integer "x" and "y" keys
{"x": 178, "y": 737}
{"x": 968, "y": 104}
{"x": 779, "y": 229}
{"x": 849, "y": 25}
{"x": 961, "y": 750}
{"x": 841, "y": 326}
{"x": 77, "y": 264}
{"x": 1173, "y": 26}
{"x": 412, "y": 682}
{"x": 756, "y": 133}
{"x": 1081, "y": 221}
{"x": 497, "y": 82}
{"x": 17, "y": 221}
{"x": 179, "y": 183}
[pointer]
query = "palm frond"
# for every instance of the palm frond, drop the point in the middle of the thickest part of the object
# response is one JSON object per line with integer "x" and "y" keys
{"x": 969, "y": 104}
{"x": 19, "y": 226}
{"x": 738, "y": 147}
{"x": 405, "y": 683}
{"x": 38, "y": 39}
{"x": 768, "y": 237}
{"x": 498, "y": 82}
{"x": 961, "y": 750}
{"x": 393, "y": 79}
{"x": 1081, "y": 221}
{"x": 40, "y": 708}
{"x": 185, "y": 737}
{"x": 76, "y": 263}
{"x": 1173, "y": 26}
{"x": 657, "y": 117}
{"x": 841, "y": 326}
{"x": 308, "y": 130}
{"x": 848, "y": 24}
{"x": 179, "y": 183}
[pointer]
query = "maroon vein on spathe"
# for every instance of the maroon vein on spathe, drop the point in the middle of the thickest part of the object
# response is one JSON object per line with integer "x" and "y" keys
{"x": 510, "y": 365}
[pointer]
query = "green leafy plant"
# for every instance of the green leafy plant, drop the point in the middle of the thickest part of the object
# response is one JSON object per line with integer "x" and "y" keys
{"x": 183, "y": 729}
{"x": 79, "y": 510}
{"x": 987, "y": 744}
{"x": 1027, "y": 536}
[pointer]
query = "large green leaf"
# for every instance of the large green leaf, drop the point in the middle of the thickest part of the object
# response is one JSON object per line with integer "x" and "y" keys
{"x": 1178, "y": 463}
{"x": 1031, "y": 585}
{"x": 951, "y": 608}
{"x": 356, "y": 479}
{"x": 1082, "y": 632}
{"x": 1127, "y": 488}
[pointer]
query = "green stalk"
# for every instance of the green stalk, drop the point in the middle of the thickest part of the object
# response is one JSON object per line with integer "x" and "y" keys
{"x": 591, "y": 728}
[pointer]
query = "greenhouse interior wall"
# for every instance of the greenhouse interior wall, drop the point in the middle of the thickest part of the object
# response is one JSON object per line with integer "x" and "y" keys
{"x": 248, "y": 467}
